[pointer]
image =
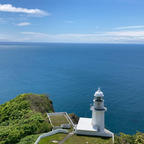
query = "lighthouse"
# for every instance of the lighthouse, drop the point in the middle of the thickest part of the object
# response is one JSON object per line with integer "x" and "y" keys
{"x": 94, "y": 126}
{"x": 98, "y": 111}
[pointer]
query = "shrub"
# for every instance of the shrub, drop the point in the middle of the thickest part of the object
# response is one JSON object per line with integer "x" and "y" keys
{"x": 23, "y": 116}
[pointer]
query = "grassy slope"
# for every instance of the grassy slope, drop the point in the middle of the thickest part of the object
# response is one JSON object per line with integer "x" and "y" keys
{"x": 75, "y": 139}
{"x": 57, "y": 120}
{"x": 122, "y": 139}
{"x": 50, "y": 139}
{"x": 22, "y": 116}
{"x": 87, "y": 140}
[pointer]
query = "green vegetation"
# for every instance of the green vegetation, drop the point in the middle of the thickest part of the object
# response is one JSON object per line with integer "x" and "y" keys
{"x": 57, "y": 120}
{"x": 75, "y": 140}
{"x": 74, "y": 118}
{"x": 25, "y": 115}
{"x": 121, "y": 139}
{"x": 87, "y": 140}
{"x": 50, "y": 139}
{"x": 138, "y": 138}
{"x": 29, "y": 139}
{"x": 24, "y": 118}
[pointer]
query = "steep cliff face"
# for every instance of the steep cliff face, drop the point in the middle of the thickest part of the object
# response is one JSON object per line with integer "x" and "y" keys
{"x": 39, "y": 103}
{"x": 24, "y": 115}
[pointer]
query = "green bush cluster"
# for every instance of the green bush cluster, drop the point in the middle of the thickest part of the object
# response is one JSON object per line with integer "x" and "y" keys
{"x": 138, "y": 138}
{"x": 30, "y": 139}
{"x": 25, "y": 115}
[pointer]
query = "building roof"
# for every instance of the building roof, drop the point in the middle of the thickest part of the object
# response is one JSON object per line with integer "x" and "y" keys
{"x": 85, "y": 127}
{"x": 85, "y": 124}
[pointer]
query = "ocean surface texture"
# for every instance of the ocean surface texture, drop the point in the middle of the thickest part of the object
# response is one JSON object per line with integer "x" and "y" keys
{"x": 71, "y": 73}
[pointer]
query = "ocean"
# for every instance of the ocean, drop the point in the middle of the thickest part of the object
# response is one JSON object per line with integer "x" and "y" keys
{"x": 71, "y": 73}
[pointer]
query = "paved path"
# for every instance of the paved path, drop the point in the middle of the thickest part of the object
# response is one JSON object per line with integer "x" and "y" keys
{"x": 69, "y": 135}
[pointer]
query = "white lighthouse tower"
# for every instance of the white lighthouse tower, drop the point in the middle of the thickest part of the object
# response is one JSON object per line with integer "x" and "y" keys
{"x": 98, "y": 111}
{"x": 94, "y": 126}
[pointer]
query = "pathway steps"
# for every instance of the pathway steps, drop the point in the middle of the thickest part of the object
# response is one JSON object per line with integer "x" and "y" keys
{"x": 69, "y": 135}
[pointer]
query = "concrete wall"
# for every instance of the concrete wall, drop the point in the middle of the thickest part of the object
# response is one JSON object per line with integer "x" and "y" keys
{"x": 50, "y": 133}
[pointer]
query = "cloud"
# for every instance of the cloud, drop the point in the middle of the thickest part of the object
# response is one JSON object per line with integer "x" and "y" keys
{"x": 35, "y": 34}
{"x": 23, "y": 24}
{"x": 130, "y": 27}
{"x": 103, "y": 37}
{"x": 10, "y": 8}
{"x": 126, "y": 33}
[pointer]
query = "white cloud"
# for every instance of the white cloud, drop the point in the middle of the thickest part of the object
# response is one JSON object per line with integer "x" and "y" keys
{"x": 103, "y": 37}
{"x": 35, "y": 34}
{"x": 23, "y": 24}
{"x": 10, "y": 8}
{"x": 126, "y": 33}
{"x": 130, "y": 27}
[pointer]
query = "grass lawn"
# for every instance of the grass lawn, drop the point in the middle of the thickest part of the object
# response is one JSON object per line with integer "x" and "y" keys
{"x": 50, "y": 139}
{"x": 57, "y": 120}
{"x": 87, "y": 140}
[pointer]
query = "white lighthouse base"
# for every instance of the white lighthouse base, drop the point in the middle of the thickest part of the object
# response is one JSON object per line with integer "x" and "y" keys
{"x": 85, "y": 127}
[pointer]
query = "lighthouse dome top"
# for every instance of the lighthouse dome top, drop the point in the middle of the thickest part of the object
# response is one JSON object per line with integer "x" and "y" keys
{"x": 99, "y": 93}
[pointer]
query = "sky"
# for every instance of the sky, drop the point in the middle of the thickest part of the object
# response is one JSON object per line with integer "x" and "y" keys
{"x": 72, "y": 21}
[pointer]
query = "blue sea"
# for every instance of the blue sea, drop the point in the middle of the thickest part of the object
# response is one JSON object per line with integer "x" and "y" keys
{"x": 71, "y": 73}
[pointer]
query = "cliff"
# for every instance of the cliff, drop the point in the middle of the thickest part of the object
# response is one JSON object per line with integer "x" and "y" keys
{"x": 24, "y": 115}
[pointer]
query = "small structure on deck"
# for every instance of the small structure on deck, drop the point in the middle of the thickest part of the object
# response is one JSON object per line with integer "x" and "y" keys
{"x": 94, "y": 126}
{"x": 65, "y": 126}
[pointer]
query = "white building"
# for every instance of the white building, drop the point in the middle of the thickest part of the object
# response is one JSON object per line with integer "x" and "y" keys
{"x": 94, "y": 126}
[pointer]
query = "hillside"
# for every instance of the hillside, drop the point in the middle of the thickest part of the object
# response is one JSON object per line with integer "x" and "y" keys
{"x": 24, "y": 118}
{"x": 24, "y": 115}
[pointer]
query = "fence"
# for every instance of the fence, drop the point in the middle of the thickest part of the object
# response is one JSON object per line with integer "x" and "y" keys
{"x": 50, "y": 133}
